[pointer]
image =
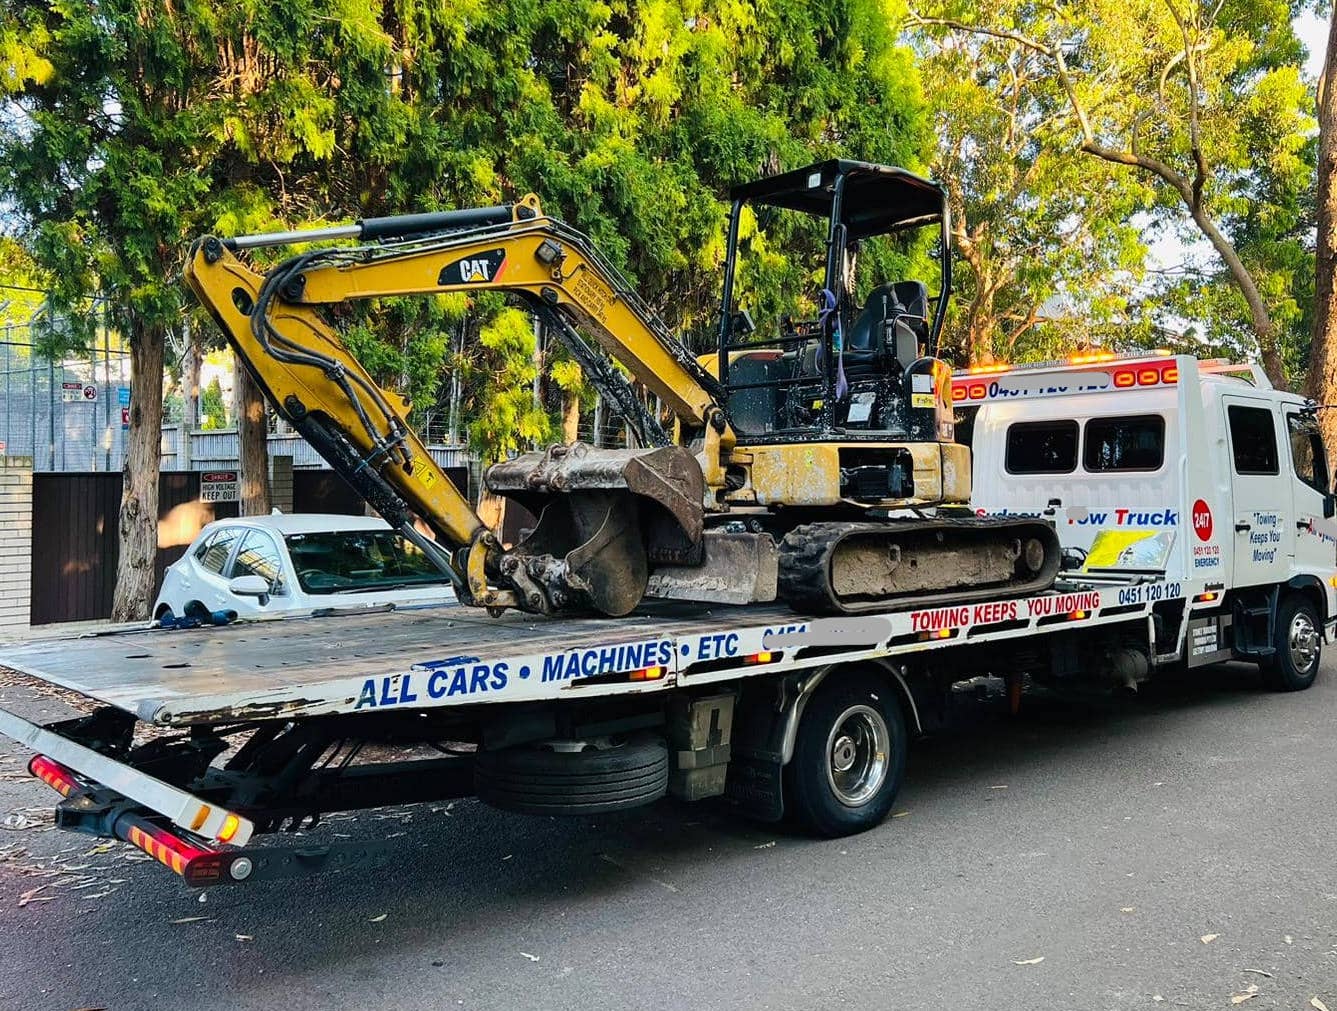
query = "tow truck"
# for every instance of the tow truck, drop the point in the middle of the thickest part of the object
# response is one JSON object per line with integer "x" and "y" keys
{"x": 1195, "y": 513}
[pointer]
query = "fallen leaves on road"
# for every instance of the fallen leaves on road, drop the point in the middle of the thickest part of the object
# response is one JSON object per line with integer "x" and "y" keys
{"x": 1314, "y": 1002}
{"x": 1209, "y": 938}
{"x": 1260, "y": 972}
{"x": 1248, "y": 994}
{"x": 193, "y": 919}
{"x": 1000, "y": 786}
{"x": 31, "y": 896}
{"x": 1029, "y": 961}
{"x": 532, "y": 958}
{"x": 1128, "y": 909}
{"x": 105, "y": 847}
{"x": 1288, "y": 939}
{"x": 244, "y": 937}
{"x": 765, "y": 845}
{"x": 901, "y": 814}
{"x": 19, "y": 822}
{"x": 378, "y": 919}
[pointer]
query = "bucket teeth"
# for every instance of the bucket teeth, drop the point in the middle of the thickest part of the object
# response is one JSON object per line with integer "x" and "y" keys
{"x": 604, "y": 516}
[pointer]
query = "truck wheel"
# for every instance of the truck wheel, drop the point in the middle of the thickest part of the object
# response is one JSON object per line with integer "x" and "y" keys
{"x": 574, "y": 777}
{"x": 849, "y": 756}
{"x": 1299, "y": 645}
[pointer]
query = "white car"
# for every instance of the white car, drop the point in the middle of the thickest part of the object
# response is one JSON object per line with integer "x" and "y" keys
{"x": 268, "y": 565}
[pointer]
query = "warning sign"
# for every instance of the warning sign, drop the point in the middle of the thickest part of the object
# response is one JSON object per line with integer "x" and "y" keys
{"x": 220, "y": 486}
{"x": 72, "y": 393}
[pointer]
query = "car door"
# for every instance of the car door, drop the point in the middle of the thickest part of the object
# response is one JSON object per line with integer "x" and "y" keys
{"x": 1264, "y": 527}
{"x": 1315, "y": 547}
{"x": 258, "y": 555}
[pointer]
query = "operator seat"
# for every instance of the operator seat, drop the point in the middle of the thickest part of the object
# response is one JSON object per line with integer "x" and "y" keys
{"x": 905, "y": 302}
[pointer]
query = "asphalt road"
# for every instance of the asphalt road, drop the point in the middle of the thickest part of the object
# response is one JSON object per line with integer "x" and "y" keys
{"x": 1136, "y": 855}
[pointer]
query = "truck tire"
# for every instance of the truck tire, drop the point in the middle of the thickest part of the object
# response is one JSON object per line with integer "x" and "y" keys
{"x": 574, "y": 778}
{"x": 849, "y": 756}
{"x": 1299, "y": 646}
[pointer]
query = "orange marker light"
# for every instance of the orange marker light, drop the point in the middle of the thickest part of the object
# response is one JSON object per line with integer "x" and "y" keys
{"x": 230, "y": 825}
{"x": 1148, "y": 377}
{"x": 1170, "y": 374}
{"x": 1077, "y": 615}
{"x": 1204, "y": 598}
{"x": 765, "y": 656}
{"x": 647, "y": 674}
{"x": 1124, "y": 378}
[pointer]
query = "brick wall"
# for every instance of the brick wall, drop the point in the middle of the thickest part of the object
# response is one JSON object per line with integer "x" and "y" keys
{"x": 15, "y": 542}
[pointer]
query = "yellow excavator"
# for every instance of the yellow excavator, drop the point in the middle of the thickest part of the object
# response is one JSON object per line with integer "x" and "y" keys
{"x": 799, "y": 463}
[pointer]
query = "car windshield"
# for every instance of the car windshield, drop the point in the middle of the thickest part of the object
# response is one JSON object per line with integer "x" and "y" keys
{"x": 352, "y": 560}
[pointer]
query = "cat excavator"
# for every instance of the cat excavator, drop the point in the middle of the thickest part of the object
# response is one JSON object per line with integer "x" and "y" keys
{"x": 814, "y": 462}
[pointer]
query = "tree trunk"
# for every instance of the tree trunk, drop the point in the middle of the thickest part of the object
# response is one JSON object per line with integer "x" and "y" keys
{"x": 252, "y": 438}
{"x": 570, "y": 416}
{"x": 139, "y": 482}
{"x": 1321, "y": 383}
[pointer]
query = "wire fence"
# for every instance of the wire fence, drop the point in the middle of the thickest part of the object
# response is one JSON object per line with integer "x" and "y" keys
{"x": 64, "y": 412}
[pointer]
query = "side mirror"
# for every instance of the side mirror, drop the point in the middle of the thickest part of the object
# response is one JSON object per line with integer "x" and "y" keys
{"x": 250, "y": 586}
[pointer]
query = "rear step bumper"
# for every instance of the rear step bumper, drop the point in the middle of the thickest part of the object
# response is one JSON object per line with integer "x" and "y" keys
{"x": 182, "y": 809}
{"x": 198, "y": 841}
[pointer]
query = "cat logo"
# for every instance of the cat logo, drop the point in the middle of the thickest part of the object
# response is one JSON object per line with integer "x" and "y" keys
{"x": 481, "y": 268}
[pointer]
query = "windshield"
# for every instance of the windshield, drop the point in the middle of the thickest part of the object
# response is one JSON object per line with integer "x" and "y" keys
{"x": 352, "y": 560}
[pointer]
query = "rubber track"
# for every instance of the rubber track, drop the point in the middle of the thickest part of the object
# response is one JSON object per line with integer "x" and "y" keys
{"x": 807, "y": 550}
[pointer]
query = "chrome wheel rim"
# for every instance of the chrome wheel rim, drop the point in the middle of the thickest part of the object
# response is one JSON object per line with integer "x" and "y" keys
{"x": 857, "y": 750}
{"x": 1302, "y": 640}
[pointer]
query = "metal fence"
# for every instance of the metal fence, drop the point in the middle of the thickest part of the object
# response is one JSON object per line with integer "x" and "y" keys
{"x": 220, "y": 449}
{"x": 64, "y": 412}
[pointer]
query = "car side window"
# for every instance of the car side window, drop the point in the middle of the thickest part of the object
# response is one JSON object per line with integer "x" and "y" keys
{"x": 1307, "y": 455}
{"x": 1253, "y": 440}
{"x": 258, "y": 556}
{"x": 212, "y": 554}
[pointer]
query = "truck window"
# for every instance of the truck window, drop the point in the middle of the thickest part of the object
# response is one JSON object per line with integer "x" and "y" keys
{"x": 1253, "y": 439}
{"x": 1131, "y": 443}
{"x": 1307, "y": 455}
{"x": 1041, "y": 447}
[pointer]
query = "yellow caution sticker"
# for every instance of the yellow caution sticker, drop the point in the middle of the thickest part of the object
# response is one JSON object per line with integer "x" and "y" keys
{"x": 1130, "y": 549}
{"x": 427, "y": 475}
{"x": 921, "y": 400}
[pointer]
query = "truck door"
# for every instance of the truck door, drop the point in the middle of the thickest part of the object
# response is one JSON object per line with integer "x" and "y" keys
{"x": 1315, "y": 549}
{"x": 1264, "y": 523}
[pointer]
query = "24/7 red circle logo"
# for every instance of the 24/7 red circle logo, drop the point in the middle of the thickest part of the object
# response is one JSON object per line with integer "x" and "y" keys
{"x": 1202, "y": 520}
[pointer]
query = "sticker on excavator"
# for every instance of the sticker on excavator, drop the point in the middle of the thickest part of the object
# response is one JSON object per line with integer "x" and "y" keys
{"x": 922, "y": 400}
{"x": 479, "y": 268}
{"x": 427, "y": 476}
{"x": 1130, "y": 549}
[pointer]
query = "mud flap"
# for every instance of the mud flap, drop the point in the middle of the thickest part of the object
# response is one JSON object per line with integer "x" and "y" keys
{"x": 605, "y": 516}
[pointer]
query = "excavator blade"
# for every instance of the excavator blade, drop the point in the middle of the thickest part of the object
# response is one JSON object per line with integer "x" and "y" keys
{"x": 606, "y": 516}
{"x": 852, "y": 568}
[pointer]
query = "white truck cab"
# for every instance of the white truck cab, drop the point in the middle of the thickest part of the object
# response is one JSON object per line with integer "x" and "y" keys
{"x": 1195, "y": 471}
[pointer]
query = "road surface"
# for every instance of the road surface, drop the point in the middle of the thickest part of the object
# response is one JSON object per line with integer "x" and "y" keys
{"x": 1175, "y": 850}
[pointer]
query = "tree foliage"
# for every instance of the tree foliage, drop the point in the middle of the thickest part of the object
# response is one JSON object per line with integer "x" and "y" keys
{"x": 1203, "y": 103}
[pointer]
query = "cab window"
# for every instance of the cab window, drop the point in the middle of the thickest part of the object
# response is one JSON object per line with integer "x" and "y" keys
{"x": 1121, "y": 444}
{"x": 258, "y": 556}
{"x": 1307, "y": 454}
{"x": 213, "y": 553}
{"x": 1041, "y": 447}
{"x": 1253, "y": 439}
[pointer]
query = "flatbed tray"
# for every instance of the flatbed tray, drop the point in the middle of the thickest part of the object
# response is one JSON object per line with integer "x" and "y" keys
{"x": 307, "y": 665}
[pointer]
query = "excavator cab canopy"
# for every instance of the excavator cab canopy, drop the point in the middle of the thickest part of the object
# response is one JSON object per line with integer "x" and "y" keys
{"x": 862, "y": 368}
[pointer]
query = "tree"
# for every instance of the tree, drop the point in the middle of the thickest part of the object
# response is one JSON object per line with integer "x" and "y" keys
{"x": 1321, "y": 382}
{"x": 1042, "y": 234}
{"x": 133, "y": 126}
{"x": 1193, "y": 96}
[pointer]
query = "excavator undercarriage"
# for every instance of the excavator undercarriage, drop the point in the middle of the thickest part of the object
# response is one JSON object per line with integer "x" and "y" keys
{"x": 797, "y": 467}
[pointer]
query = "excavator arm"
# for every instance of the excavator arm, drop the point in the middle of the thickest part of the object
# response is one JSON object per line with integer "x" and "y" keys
{"x": 604, "y": 515}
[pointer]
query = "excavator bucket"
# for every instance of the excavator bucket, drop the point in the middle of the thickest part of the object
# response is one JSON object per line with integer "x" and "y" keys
{"x": 605, "y": 517}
